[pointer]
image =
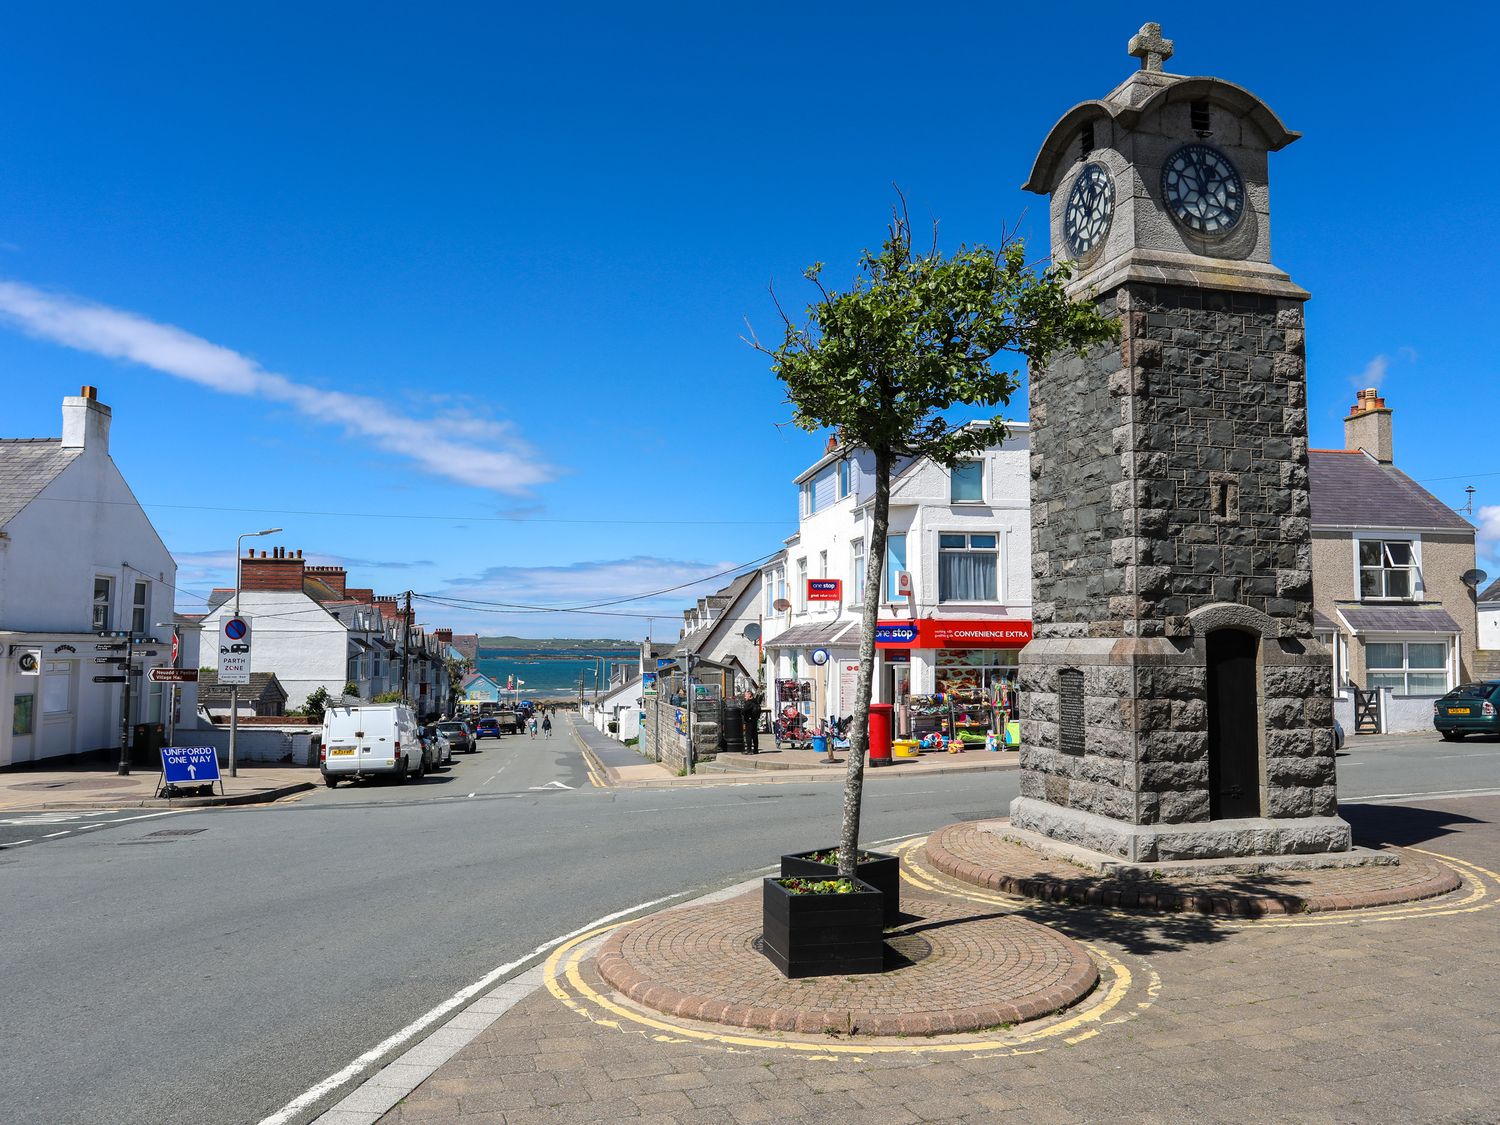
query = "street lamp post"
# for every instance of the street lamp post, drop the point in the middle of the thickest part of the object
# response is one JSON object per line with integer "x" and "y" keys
{"x": 234, "y": 689}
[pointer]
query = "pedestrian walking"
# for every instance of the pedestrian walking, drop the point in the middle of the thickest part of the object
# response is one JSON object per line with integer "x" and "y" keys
{"x": 751, "y": 711}
{"x": 531, "y": 726}
{"x": 547, "y": 726}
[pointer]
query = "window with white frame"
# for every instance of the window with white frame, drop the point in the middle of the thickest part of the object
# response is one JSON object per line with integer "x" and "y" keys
{"x": 103, "y": 603}
{"x": 967, "y": 485}
{"x": 822, "y": 564}
{"x": 845, "y": 470}
{"x": 1407, "y": 667}
{"x": 968, "y": 567}
{"x": 857, "y": 571}
{"x": 801, "y": 585}
{"x": 1387, "y": 569}
{"x": 139, "y": 608}
{"x": 806, "y": 498}
{"x": 895, "y": 566}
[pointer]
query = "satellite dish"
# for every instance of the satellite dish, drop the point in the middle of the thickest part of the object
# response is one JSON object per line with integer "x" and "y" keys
{"x": 1472, "y": 578}
{"x": 751, "y": 632}
{"x": 781, "y": 605}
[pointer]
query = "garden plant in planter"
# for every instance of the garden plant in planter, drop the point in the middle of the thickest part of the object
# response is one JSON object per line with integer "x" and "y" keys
{"x": 881, "y": 870}
{"x": 823, "y": 927}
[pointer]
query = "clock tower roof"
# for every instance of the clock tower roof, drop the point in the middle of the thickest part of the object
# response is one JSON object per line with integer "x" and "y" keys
{"x": 1139, "y": 97}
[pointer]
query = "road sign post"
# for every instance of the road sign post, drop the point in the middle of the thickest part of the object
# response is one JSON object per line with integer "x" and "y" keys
{"x": 234, "y": 670}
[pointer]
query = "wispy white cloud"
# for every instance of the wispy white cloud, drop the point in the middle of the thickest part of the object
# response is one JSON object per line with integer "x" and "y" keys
{"x": 1373, "y": 375}
{"x": 472, "y": 450}
{"x": 560, "y": 587}
{"x": 1489, "y": 537}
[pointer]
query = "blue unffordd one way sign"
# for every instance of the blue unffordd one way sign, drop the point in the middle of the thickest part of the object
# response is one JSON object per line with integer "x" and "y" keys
{"x": 189, "y": 765}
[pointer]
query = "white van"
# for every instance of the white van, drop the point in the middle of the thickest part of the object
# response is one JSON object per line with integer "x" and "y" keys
{"x": 370, "y": 740}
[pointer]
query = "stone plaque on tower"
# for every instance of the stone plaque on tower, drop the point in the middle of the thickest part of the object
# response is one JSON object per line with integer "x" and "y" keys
{"x": 1175, "y": 704}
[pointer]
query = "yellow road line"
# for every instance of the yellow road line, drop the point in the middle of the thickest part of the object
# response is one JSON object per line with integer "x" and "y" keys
{"x": 1114, "y": 992}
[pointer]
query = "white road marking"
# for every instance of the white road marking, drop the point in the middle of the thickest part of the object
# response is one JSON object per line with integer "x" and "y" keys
{"x": 462, "y": 996}
{"x": 1449, "y": 795}
{"x": 551, "y": 785}
{"x": 15, "y": 843}
{"x": 54, "y": 835}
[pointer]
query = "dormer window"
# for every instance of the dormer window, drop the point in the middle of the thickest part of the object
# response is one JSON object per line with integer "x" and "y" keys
{"x": 1386, "y": 569}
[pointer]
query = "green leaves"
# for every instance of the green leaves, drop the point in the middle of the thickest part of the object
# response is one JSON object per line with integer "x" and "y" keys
{"x": 919, "y": 333}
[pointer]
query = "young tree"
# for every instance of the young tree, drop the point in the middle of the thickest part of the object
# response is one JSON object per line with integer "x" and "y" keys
{"x": 916, "y": 334}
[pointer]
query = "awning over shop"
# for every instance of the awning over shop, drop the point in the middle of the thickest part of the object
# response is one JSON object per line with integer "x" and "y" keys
{"x": 814, "y": 636}
{"x": 1397, "y": 619}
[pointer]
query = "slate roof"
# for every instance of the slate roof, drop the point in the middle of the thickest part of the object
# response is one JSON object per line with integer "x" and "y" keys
{"x": 1398, "y": 619}
{"x": 698, "y": 640}
{"x": 1322, "y": 622}
{"x": 28, "y": 465}
{"x": 1355, "y": 490}
{"x": 811, "y": 636}
{"x": 263, "y": 687}
{"x": 1491, "y": 593}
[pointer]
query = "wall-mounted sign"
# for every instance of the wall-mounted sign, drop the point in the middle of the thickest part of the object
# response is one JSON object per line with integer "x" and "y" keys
{"x": 953, "y": 633}
{"x": 895, "y": 633}
{"x": 648, "y": 683}
{"x": 29, "y": 663}
{"x": 825, "y": 590}
{"x": 819, "y": 656}
{"x": 903, "y": 583}
{"x": 896, "y": 655}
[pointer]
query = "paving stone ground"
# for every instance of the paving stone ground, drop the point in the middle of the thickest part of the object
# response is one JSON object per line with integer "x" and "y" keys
{"x": 978, "y": 852}
{"x": 1386, "y": 1015}
{"x": 967, "y": 967}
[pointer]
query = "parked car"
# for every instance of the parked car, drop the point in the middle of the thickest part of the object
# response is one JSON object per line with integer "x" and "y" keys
{"x": 370, "y": 740}
{"x": 439, "y": 746}
{"x": 487, "y": 728}
{"x": 1468, "y": 709}
{"x": 460, "y": 735}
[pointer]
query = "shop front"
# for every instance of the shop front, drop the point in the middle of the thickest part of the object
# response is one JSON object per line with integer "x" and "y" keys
{"x": 953, "y": 679}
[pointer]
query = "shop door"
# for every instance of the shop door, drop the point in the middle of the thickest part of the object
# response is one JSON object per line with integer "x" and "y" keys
{"x": 1233, "y": 727}
{"x": 897, "y": 688}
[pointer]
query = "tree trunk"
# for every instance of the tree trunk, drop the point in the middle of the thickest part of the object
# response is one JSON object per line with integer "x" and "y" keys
{"x": 859, "y": 735}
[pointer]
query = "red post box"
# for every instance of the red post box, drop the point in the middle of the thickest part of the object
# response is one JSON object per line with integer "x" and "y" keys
{"x": 880, "y": 733}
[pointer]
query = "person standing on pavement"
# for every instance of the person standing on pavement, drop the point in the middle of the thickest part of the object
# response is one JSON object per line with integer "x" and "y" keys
{"x": 531, "y": 726}
{"x": 751, "y": 711}
{"x": 547, "y": 725}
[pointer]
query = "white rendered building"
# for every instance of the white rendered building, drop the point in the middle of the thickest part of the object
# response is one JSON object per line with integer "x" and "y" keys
{"x": 82, "y": 571}
{"x": 956, "y": 605}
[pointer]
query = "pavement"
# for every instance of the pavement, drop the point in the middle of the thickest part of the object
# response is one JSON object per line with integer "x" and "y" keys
{"x": 1382, "y": 1014}
{"x": 93, "y": 786}
{"x": 616, "y": 765}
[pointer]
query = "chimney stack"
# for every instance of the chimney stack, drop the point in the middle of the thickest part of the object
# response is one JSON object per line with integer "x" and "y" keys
{"x": 278, "y": 571}
{"x": 334, "y": 577}
{"x": 85, "y": 422}
{"x": 1368, "y": 426}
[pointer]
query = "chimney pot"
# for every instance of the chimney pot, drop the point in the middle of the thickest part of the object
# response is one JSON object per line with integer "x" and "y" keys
{"x": 1368, "y": 427}
{"x": 90, "y": 393}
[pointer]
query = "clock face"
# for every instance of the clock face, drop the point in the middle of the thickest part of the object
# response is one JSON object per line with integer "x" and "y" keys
{"x": 1202, "y": 189}
{"x": 1091, "y": 205}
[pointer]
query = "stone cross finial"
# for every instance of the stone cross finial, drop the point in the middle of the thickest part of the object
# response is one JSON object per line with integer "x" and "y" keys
{"x": 1148, "y": 46}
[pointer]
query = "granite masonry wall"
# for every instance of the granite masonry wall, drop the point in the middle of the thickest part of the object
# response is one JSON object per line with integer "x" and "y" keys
{"x": 1170, "y": 499}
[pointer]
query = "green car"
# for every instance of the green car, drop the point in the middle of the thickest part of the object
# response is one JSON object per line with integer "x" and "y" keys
{"x": 1468, "y": 709}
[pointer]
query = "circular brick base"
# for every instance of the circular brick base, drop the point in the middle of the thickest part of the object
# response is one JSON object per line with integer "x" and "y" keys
{"x": 976, "y": 853}
{"x": 952, "y": 969}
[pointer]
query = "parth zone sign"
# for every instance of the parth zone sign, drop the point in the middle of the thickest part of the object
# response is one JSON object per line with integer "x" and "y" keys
{"x": 952, "y": 633}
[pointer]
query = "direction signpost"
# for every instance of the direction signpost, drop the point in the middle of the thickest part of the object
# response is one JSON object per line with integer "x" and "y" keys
{"x": 188, "y": 766}
{"x": 164, "y": 675}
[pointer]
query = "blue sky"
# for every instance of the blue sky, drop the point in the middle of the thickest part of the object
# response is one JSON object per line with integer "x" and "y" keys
{"x": 338, "y": 266}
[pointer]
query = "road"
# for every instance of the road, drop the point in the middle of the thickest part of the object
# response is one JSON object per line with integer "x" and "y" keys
{"x": 214, "y": 973}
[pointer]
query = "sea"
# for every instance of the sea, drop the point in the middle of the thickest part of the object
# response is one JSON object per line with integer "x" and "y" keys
{"x": 553, "y": 673}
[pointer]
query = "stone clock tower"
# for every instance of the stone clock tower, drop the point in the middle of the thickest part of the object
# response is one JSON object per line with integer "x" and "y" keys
{"x": 1174, "y": 702}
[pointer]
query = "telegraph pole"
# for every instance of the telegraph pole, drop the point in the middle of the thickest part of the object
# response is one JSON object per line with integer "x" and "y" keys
{"x": 406, "y": 651}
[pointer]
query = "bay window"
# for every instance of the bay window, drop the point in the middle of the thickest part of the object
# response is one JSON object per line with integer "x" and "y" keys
{"x": 1407, "y": 667}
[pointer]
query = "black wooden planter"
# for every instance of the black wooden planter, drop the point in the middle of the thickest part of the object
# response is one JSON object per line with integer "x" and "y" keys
{"x": 881, "y": 871}
{"x": 823, "y": 935}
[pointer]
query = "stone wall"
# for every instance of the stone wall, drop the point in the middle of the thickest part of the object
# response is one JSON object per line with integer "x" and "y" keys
{"x": 1170, "y": 500}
